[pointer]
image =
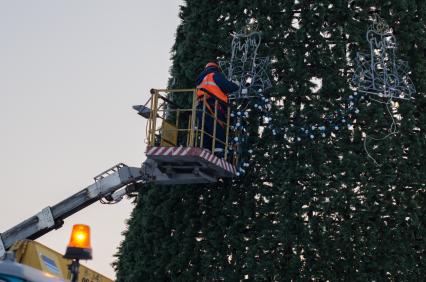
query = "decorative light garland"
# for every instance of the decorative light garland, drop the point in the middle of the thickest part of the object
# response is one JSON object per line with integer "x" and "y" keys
{"x": 251, "y": 73}
{"x": 378, "y": 73}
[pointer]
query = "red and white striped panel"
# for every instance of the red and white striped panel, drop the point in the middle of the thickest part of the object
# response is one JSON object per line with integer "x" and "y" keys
{"x": 169, "y": 151}
{"x": 207, "y": 155}
{"x": 191, "y": 151}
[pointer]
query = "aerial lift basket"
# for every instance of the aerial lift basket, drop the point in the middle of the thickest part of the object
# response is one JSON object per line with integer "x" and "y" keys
{"x": 176, "y": 134}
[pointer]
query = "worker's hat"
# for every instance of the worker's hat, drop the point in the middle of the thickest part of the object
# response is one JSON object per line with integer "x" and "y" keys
{"x": 211, "y": 64}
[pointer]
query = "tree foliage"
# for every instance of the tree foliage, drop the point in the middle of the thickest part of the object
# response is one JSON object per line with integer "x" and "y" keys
{"x": 318, "y": 209}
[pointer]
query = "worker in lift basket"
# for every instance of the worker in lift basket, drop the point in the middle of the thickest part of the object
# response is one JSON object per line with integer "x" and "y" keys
{"x": 212, "y": 84}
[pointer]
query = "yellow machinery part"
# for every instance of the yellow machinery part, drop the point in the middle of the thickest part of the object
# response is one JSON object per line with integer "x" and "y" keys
{"x": 168, "y": 134}
{"x": 36, "y": 255}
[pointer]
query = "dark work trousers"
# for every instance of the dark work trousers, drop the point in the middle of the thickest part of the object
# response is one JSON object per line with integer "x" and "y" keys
{"x": 209, "y": 122}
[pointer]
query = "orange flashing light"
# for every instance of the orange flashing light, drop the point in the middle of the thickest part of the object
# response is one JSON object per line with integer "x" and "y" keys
{"x": 80, "y": 237}
{"x": 79, "y": 245}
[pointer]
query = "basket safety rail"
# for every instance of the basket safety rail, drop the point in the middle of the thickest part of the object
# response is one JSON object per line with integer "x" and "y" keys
{"x": 184, "y": 123}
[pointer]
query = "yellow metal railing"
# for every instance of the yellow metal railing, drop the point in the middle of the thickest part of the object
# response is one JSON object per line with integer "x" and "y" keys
{"x": 171, "y": 124}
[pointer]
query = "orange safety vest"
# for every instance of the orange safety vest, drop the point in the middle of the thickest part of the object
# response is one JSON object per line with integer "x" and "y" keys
{"x": 212, "y": 88}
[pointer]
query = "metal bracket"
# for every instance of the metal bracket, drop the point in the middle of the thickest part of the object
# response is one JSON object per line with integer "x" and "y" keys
{"x": 95, "y": 190}
{"x": 204, "y": 175}
{"x": 45, "y": 218}
{"x": 109, "y": 172}
{"x": 112, "y": 180}
{"x": 2, "y": 248}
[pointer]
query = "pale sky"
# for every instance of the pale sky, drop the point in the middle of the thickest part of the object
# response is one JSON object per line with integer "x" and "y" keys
{"x": 69, "y": 73}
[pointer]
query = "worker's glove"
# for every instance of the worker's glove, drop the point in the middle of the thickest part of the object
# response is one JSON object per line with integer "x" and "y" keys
{"x": 236, "y": 82}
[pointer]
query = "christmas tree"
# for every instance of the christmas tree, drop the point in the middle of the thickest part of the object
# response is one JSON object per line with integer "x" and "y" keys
{"x": 312, "y": 204}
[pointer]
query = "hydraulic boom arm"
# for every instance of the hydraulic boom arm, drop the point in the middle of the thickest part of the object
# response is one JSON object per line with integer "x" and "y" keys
{"x": 113, "y": 184}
